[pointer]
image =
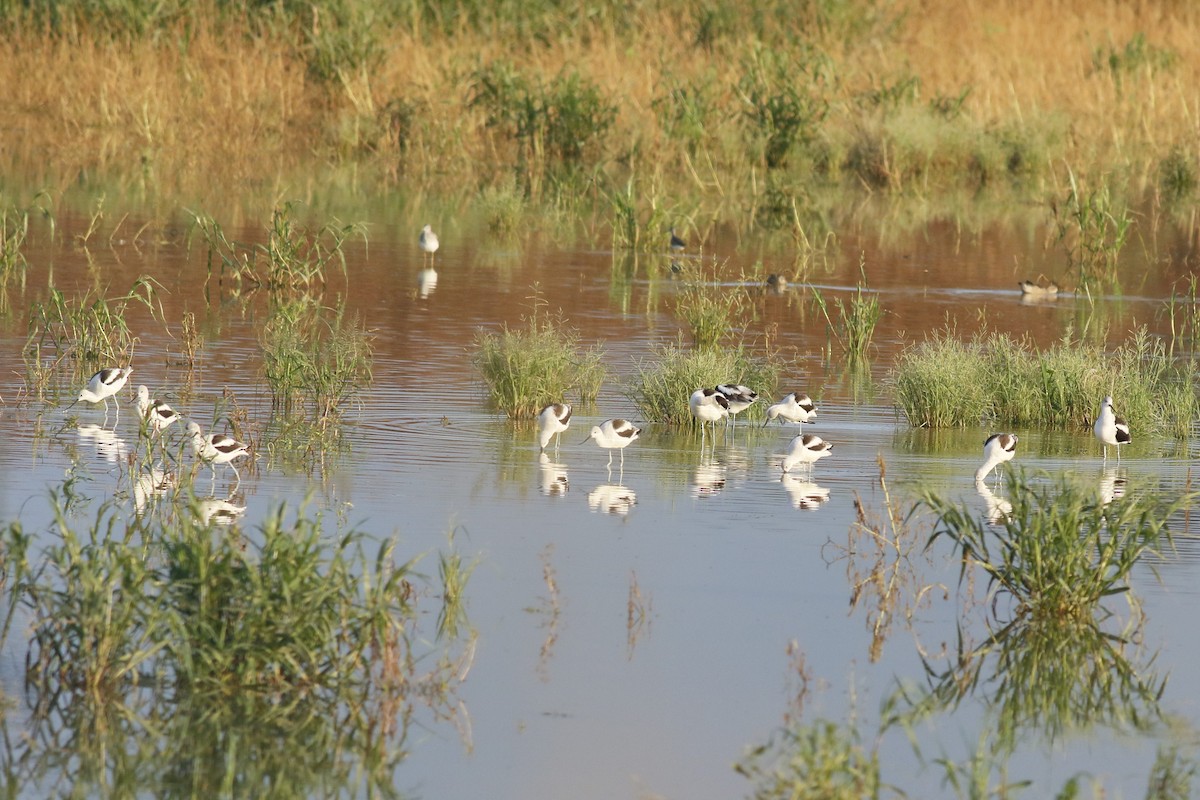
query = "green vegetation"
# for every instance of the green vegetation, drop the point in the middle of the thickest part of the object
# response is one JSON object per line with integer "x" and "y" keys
{"x": 712, "y": 311}
{"x": 527, "y": 368}
{"x": 948, "y": 382}
{"x": 817, "y": 761}
{"x": 89, "y": 333}
{"x": 292, "y": 257}
{"x": 315, "y": 359}
{"x": 857, "y": 317}
{"x": 1061, "y": 549}
{"x": 1092, "y": 228}
{"x": 157, "y": 635}
{"x": 662, "y": 387}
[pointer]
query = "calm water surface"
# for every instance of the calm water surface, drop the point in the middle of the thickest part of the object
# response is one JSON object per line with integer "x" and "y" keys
{"x": 745, "y": 579}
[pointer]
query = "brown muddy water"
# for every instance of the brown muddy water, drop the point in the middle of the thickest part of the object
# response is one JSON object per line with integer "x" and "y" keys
{"x": 742, "y": 581}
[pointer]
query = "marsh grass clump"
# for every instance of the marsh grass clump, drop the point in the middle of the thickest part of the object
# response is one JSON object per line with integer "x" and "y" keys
{"x": 857, "y": 317}
{"x": 946, "y": 381}
{"x": 91, "y": 331}
{"x": 635, "y": 227}
{"x": 529, "y": 367}
{"x": 1061, "y": 549}
{"x": 293, "y": 257}
{"x": 662, "y": 387}
{"x": 316, "y": 356}
{"x": 712, "y": 310}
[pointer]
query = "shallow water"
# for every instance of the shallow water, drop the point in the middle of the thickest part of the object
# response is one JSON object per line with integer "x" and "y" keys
{"x": 744, "y": 578}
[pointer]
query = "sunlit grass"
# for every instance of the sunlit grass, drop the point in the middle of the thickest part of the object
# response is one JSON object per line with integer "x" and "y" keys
{"x": 542, "y": 362}
{"x": 946, "y": 381}
{"x": 664, "y": 384}
{"x": 1061, "y": 550}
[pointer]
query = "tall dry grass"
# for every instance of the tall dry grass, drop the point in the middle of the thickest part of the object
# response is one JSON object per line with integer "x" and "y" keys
{"x": 916, "y": 95}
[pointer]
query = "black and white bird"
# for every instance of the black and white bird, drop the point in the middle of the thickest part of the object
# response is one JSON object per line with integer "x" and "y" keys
{"x": 794, "y": 407}
{"x": 216, "y": 449}
{"x": 1111, "y": 429}
{"x": 997, "y": 448}
{"x": 103, "y": 385}
{"x": 805, "y": 449}
{"x": 739, "y": 397}
{"x": 614, "y": 434}
{"x": 158, "y": 415}
{"x": 708, "y": 405}
{"x": 677, "y": 244}
{"x": 552, "y": 421}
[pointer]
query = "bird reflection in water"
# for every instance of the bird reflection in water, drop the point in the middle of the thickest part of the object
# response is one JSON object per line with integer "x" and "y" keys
{"x": 1112, "y": 485}
{"x": 109, "y": 446}
{"x": 804, "y": 494}
{"x": 149, "y": 484}
{"x": 612, "y": 498}
{"x": 426, "y": 282}
{"x": 215, "y": 511}
{"x": 996, "y": 508}
{"x": 554, "y": 482}
{"x": 708, "y": 478}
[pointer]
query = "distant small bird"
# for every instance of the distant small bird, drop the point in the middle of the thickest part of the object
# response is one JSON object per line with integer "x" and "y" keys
{"x": 708, "y": 405}
{"x": 429, "y": 241}
{"x": 614, "y": 434}
{"x": 677, "y": 244}
{"x": 805, "y": 449}
{"x": 739, "y": 397}
{"x": 216, "y": 449}
{"x": 777, "y": 283}
{"x": 1111, "y": 429}
{"x": 158, "y": 415}
{"x": 103, "y": 385}
{"x": 1048, "y": 289}
{"x": 552, "y": 421}
{"x": 997, "y": 448}
{"x": 794, "y": 407}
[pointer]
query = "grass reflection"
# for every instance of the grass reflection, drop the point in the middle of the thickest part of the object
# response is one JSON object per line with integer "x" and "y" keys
{"x": 175, "y": 658}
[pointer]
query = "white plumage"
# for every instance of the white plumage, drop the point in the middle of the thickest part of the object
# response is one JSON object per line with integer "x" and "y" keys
{"x": 997, "y": 448}
{"x": 216, "y": 449}
{"x": 158, "y": 415}
{"x": 552, "y": 421}
{"x": 805, "y": 449}
{"x": 105, "y": 384}
{"x": 614, "y": 434}
{"x": 428, "y": 241}
{"x": 739, "y": 397}
{"x": 794, "y": 407}
{"x": 1111, "y": 429}
{"x": 708, "y": 405}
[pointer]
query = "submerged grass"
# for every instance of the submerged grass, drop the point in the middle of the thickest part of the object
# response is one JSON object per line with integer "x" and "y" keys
{"x": 541, "y": 363}
{"x": 662, "y": 386}
{"x": 946, "y": 381}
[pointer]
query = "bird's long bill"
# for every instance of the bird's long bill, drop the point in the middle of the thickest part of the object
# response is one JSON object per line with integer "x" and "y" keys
{"x": 585, "y": 441}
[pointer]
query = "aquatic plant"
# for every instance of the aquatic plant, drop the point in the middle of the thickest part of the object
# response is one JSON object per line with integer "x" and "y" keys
{"x": 637, "y": 225}
{"x": 89, "y": 332}
{"x": 946, "y": 381}
{"x": 527, "y": 368}
{"x": 1092, "y": 230}
{"x": 1061, "y": 550}
{"x": 14, "y": 230}
{"x": 161, "y": 635}
{"x": 713, "y": 311}
{"x": 663, "y": 385}
{"x": 293, "y": 257}
{"x": 314, "y": 355}
{"x": 857, "y": 317}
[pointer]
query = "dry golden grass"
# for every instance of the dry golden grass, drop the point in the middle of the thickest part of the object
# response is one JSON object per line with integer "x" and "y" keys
{"x": 230, "y": 108}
